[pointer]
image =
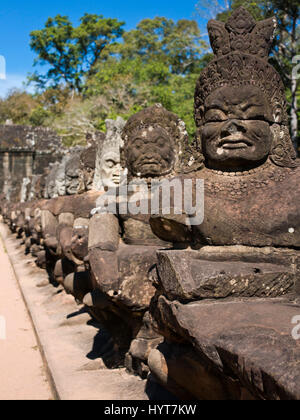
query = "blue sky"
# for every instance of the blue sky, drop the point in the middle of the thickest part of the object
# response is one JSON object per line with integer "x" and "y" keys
{"x": 19, "y": 17}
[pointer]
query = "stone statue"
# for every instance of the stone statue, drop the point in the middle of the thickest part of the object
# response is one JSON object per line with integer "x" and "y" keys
{"x": 88, "y": 162}
{"x": 100, "y": 169}
{"x": 249, "y": 158}
{"x": 122, "y": 247}
{"x": 25, "y": 190}
{"x": 72, "y": 168}
{"x": 105, "y": 153}
{"x": 63, "y": 178}
{"x": 51, "y": 187}
{"x": 108, "y": 169}
{"x": 247, "y": 248}
{"x": 60, "y": 177}
{"x": 34, "y": 193}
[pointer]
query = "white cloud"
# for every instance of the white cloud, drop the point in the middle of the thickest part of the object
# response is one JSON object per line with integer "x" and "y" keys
{"x": 12, "y": 81}
{"x": 2, "y": 68}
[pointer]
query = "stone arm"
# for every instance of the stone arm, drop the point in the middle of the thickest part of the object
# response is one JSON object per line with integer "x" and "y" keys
{"x": 179, "y": 208}
{"x": 172, "y": 228}
{"x": 103, "y": 245}
{"x": 172, "y": 222}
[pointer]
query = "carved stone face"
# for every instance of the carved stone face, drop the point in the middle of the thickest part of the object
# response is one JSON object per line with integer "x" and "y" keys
{"x": 85, "y": 179}
{"x": 71, "y": 184}
{"x": 50, "y": 187}
{"x": 236, "y": 132}
{"x": 88, "y": 176}
{"x": 110, "y": 169}
{"x": 60, "y": 181}
{"x": 87, "y": 167}
{"x": 72, "y": 175}
{"x": 150, "y": 152}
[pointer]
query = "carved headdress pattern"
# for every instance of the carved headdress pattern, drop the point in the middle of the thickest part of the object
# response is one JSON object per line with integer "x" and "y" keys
{"x": 242, "y": 33}
{"x": 241, "y": 48}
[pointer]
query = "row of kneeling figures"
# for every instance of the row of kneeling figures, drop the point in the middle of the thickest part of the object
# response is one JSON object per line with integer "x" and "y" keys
{"x": 106, "y": 261}
{"x": 186, "y": 251}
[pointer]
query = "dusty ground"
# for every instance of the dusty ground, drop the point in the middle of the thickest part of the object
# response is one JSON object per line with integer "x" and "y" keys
{"x": 22, "y": 371}
{"x": 70, "y": 341}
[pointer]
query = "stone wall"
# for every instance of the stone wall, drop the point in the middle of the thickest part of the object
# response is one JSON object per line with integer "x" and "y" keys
{"x": 14, "y": 166}
{"x": 25, "y": 151}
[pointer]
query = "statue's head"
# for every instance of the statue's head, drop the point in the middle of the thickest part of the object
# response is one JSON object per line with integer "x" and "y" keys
{"x": 25, "y": 189}
{"x": 40, "y": 188}
{"x": 108, "y": 165}
{"x": 110, "y": 171}
{"x": 72, "y": 173}
{"x": 240, "y": 106}
{"x": 237, "y": 127}
{"x": 60, "y": 180}
{"x": 51, "y": 187}
{"x": 154, "y": 140}
{"x": 88, "y": 161}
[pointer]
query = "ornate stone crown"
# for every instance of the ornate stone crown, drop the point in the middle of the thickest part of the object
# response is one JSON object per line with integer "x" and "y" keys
{"x": 242, "y": 33}
{"x": 241, "y": 48}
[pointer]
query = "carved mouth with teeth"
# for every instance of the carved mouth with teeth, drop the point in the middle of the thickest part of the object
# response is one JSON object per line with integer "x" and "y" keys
{"x": 116, "y": 179}
{"x": 150, "y": 162}
{"x": 235, "y": 141}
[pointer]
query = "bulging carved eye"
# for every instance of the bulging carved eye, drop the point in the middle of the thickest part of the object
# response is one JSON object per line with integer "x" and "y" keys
{"x": 110, "y": 163}
{"x": 215, "y": 115}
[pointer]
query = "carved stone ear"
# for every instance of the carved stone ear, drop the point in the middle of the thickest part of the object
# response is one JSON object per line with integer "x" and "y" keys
{"x": 219, "y": 37}
{"x": 282, "y": 153}
{"x": 201, "y": 113}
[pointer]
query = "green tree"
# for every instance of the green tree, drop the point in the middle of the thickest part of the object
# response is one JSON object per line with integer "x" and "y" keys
{"x": 17, "y": 107}
{"x": 54, "y": 100}
{"x": 38, "y": 116}
{"x": 70, "y": 53}
{"x": 176, "y": 44}
{"x": 159, "y": 61}
{"x": 286, "y": 48}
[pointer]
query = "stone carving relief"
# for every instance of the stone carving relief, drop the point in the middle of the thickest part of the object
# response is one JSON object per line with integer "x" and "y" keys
{"x": 108, "y": 168}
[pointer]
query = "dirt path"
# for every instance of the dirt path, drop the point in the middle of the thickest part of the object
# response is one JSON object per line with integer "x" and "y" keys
{"x": 22, "y": 371}
{"x": 71, "y": 342}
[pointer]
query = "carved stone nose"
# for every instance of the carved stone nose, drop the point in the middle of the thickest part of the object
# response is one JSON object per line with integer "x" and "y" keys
{"x": 232, "y": 127}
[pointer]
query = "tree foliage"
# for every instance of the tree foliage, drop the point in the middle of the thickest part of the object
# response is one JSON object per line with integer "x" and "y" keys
{"x": 160, "y": 40}
{"x": 97, "y": 71}
{"x": 17, "y": 107}
{"x": 158, "y": 61}
{"x": 70, "y": 53}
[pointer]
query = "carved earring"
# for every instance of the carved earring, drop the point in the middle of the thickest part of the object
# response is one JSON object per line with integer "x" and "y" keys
{"x": 282, "y": 152}
{"x": 278, "y": 115}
